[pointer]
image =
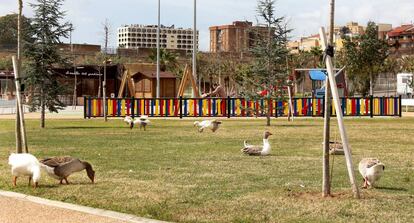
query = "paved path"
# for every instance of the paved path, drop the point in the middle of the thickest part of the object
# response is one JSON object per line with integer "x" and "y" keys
{"x": 20, "y": 208}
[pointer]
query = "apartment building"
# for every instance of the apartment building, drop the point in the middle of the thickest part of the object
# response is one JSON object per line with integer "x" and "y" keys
{"x": 237, "y": 37}
{"x": 145, "y": 36}
{"x": 402, "y": 39}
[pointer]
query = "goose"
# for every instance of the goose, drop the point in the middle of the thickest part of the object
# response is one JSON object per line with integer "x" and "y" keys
{"x": 142, "y": 121}
{"x": 25, "y": 164}
{"x": 61, "y": 167}
{"x": 256, "y": 150}
{"x": 129, "y": 121}
{"x": 211, "y": 124}
{"x": 371, "y": 170}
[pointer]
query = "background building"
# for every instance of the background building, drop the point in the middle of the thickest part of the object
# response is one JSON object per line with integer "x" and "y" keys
{"x": 350, "y": 30}
{"x": 235, "y": 38}
{"x": 145, "y": 36}
{"x": 402, "y": 39}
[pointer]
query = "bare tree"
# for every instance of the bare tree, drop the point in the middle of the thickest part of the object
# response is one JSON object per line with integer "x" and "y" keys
{"x": 106, "y": 36}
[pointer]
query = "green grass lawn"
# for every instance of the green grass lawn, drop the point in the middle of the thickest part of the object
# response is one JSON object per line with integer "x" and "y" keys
{"x": 171, "y": 172}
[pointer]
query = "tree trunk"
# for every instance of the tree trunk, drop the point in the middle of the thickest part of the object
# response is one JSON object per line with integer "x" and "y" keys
{"x": 268, "y": 119}
{"x": 371, "y": 85}
{"x": 268, "y": 115}
{"x": 42, "y": 109}
{"x": 18, "y": 131}
{"x": 326, "y": 181}
{"x": 19, "y": 147}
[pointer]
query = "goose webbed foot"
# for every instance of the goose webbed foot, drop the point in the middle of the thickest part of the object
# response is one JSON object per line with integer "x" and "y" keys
{"x": 365, "y": 186}
{"x": 14, "y": 181}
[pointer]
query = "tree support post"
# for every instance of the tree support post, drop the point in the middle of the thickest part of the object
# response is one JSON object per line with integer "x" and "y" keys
{"x": 19, "y": 105}
{"x": 342, "y": 130}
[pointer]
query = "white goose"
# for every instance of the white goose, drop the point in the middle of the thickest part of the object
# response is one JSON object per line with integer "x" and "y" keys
{"x": 371, "y": 170}
{"x": 25, "y": 164}
{"x": 256, "y": 150}
{"x": 211, "y": 124}
{"x": 142, "y": 121}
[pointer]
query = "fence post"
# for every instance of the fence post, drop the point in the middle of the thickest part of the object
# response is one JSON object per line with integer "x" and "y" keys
{"x": 133, "y": 107}
{"x": 90, "y": 107}
{"x": 371, "y": 106}
{"x": 181, "y": 107}
{"x": 400, "y": 106}
{"x": 84, "y": 107}
{"x": 228, "y": 106}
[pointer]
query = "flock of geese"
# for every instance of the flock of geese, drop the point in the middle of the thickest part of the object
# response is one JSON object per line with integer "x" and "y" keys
{"x": 61, "y": 168}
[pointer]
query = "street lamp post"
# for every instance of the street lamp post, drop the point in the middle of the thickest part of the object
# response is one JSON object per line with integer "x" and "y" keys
{"x": 195, "y": 45}
{"x": 104, "y": 74}
{"x": 158, "y": 49}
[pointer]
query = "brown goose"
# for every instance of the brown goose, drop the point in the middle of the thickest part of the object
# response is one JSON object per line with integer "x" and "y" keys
{"x": 256, "y": 150}
{"x": 61, "y": 167}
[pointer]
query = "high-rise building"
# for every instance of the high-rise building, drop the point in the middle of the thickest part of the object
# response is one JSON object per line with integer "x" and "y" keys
{"x": 238, "y": 37}
{"x": 145, "y": 36}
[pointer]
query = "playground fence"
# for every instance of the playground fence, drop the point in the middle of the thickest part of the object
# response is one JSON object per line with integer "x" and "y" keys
{"x": 237, "y": 107}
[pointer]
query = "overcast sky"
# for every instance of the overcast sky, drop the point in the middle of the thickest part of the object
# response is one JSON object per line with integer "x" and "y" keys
{"x": 304, "y": 16}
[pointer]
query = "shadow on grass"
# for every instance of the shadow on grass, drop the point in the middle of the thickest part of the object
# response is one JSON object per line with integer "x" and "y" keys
{"x": 89, "y": 127}
{"x": 392, "y": 188}
{"x": 294, "y": 126}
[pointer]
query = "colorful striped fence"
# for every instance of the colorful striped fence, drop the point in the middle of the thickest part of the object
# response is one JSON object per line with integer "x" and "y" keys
{"x": 237, "y": 107}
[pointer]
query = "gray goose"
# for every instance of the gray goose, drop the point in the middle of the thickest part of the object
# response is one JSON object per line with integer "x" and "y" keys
{"x": 256, "y": 150}
{"x": 61, "y": 167}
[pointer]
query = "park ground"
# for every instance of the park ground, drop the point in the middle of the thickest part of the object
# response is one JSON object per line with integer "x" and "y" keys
{"x": 171, "y": 172}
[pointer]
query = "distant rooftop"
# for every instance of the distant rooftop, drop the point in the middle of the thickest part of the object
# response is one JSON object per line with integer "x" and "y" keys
{"x": 151, "y": 26}
{"x": 401, "y": 29}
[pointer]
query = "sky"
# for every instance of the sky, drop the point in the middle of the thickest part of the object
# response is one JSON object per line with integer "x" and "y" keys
{"x": 303, "y": 16}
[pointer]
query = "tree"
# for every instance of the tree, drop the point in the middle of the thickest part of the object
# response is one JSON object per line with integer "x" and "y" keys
{"x": 6, "y": 63}
{"x": 391, "y": 66}
{"x": 407, "y": 64}
{"x": 317, "y": 55}
{"x": 364, "y": 57}
{"x": 8, "y": 27}
{"x": 168, "y": 60}
{"x": 343, "y": 31}
{"x": 43, "y": 54}
{"x": 268, "y": 70}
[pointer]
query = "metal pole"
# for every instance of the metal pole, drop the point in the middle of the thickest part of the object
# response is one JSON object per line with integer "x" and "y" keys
{"x": 104, "y": 80}
{"x": 326, "y": 182}
{"x": 195, "y": 46}
{"x": 342, "y": 130}
{"x": 158, "y": 49}
{"x": 74, "y": 99}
